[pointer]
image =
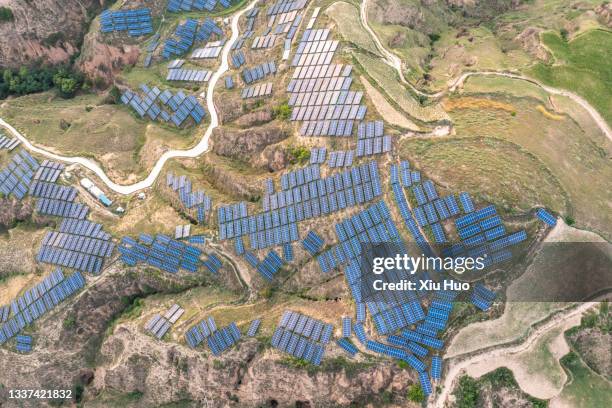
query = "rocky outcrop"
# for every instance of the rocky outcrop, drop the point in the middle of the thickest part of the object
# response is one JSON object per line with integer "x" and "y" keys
{"x": 247, "y": 375}
{"x": 44, "y": 30}
{"x": 257, "y": 118}
{"x": 604, "y": 13}
{"x": 246, "y": 145}
{"x": 530, "y": 41}
{"x": 101, "y": 61}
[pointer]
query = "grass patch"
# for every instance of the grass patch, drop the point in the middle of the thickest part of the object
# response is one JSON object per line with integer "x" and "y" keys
{"x": 494, "y": 171}
{"x": 585, "y": 388}
{"x": 346, "y": 17}
{"x": 564, "y": 150}
{"x": 581, "y": 65}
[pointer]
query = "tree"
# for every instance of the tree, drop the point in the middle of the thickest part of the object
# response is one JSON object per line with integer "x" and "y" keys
{"x": 66, "y": 82}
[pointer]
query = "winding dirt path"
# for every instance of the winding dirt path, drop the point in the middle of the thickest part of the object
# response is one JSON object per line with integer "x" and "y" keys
{"x": 458, "y": 364}
{"x": 195, "y": 151}
{"x": 396, "y": 63}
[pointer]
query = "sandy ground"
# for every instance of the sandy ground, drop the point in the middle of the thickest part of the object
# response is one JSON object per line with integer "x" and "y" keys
{"x": 384, "y": 108}
{"x": 534, "y": 382}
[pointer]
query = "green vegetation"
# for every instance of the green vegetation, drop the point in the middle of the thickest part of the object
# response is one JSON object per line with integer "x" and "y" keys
{"x": 467, "y": 392}
{"x": 416, "y": 393}
{"x": 39, "y": 79}
{"x": 282, "y": 111}
{"x": 581, "y": 65}
{"x": 585, "y": 388}
{"x": 346, "y": 17}
{"x": 69, "y": 322}
{"x": 6, "y": 14}
{"x": 299, "y": 155}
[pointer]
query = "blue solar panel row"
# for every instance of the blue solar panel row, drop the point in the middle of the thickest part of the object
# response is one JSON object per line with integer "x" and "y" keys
{"x": 466, "y": 202}
{"x": 39, "y": 300}
{"x": 200, "y": 331}
{"x": 313, "y": 243}
{"x": 302, "y": 336}
{"x": 178, "y": 106}
{"x": 182, "y": 185}
{"x": 547, "y": 217}
{"x": 347, "y": 346}
{"x": 250, "y": 75}
{"x": 176, "y": 6}
{"x": 238, "y": 59}
{"x": 213, "y": 263}
{"x": 346, "y": 326}
{"x": 24, "y": 343}
{"x": 436, "y": 367}
{"x": 287, "y": 252}
{"x": 207, "y": 29}
{"x": 16, "y": 177}
{"x": 254, "y": 326}
{"x": 166, "y": 254}
{"x": 182, "y": 40}
{"x": 270, "y": 265}
{"x": 136, "y": 22}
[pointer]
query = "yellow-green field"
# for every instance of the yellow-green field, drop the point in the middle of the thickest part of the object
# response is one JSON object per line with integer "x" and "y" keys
{"x": 346, "y": 17}
{"x": 564, "y": 150}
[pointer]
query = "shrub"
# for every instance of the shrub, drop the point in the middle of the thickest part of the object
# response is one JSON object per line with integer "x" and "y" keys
{"x": 282, "y": 111}
{"x": 467, "y": 392}
{"x": 6, "y": 14}
{"x": 415, "y": 393}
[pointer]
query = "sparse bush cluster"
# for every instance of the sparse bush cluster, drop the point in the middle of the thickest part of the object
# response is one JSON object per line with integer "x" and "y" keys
{"x": 299, "y": 155}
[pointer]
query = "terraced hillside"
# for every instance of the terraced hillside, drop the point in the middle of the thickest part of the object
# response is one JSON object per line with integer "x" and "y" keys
{"x": 193, "y": 227}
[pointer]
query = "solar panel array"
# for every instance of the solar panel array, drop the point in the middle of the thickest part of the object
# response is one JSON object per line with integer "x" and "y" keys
{"x": 253, "y": 327}
{"x": 208, "y": 28}
{"x": 483, "y": 234}
{"x": 313, "y": 243}
{"x": 317, "y": 155}
{"x": 256, "y": 91}
{"x": 371, "y": 139}
{"x": 436, "y": 367}
{"x": 178, "y": 107}
{"x": 270, "y": 265}
{"x": 15, "y": 178}
{"x": 258, "y": 72}
{"x": 346, "y": 326}
{"x": 547, "y": 217}
{"x": 24, "y": 343}
{"x": 238, "y": 59}
{"x": 482, "y": 297}
{"x": 136, "y": 22}
{"x": 49, "y": 171}
{"x": 284, "y": 17}
{"x": 37, "y": 301}
{"x": 303, "y": 195}
{"x": 182, "y": 231}
{"x": 347, "y": 346}
{"x": 302, "y": 336}
{"x": 189, "y": 75}
{"x": 340, "y": 158}
{"x": 198, "y": 200}
{"x": 161, "y": 252}
{"x": 82, "y": 246}
{"x": 229, "y": 82}
{"x": 210, "y": 50}
{"x": 176, "y": 6}
{"x": 159, "y": 325}
{"x": 182, "y": 39}
{"x": 319, "y": 91}
{"x": 7, "y": 142}
{"x": 263, "y": 41}
{"x": 218, "y": 340}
